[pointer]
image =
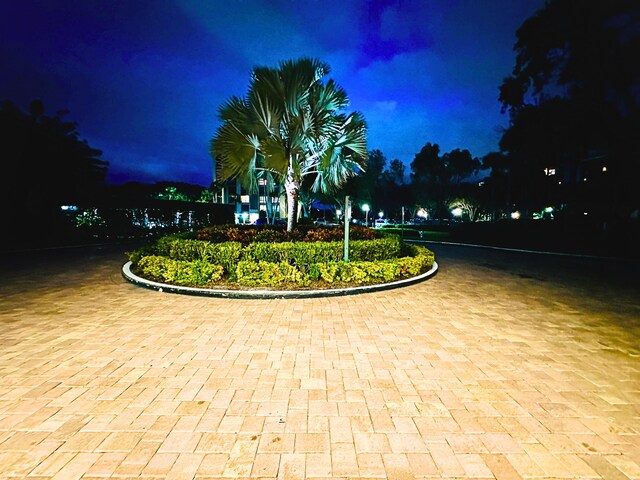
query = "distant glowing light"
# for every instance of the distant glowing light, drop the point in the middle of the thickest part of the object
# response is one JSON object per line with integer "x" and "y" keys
{"x": 457, "y": 212}
{"x": 365, "y": 207}
{"x": 68, "y": 207}
{"x": 515, "y": 215}
{"x": 586, "y": 213}
{"x": 422, "y": 213}
{"x": 338, "y": 212}
{"x": 548, "y": 209}
{"x": 604, "y": 169}
{"x": 584, "y": 179}
{"x": 381, "y": 214}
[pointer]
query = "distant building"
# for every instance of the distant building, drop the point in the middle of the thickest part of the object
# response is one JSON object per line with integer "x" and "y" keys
{"x": 248, "y": 206}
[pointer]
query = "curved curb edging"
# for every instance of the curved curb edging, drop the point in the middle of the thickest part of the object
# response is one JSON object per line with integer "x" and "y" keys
{"x": 268, "y": 294}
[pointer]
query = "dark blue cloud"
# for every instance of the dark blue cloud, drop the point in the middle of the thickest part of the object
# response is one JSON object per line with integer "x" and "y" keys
{"x": 144, "y": 79}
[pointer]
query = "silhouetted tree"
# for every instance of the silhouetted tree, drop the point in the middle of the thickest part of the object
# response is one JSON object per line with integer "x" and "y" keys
{"x": 435, "y": 178}
{"x": 574, "y": 96}
{"x": 45, "y": 163}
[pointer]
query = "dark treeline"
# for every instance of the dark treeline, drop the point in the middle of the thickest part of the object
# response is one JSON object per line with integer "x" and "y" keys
{"x": 573, "y": 100}
{"x": 45, "y": 163}
{"x": 572, "y": 147}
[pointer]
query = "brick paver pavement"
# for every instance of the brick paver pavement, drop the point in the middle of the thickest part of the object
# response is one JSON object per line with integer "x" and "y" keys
{"x": 478, "y": 373}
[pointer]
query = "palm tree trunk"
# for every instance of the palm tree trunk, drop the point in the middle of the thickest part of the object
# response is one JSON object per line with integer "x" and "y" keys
{"x": 292, "y": 188}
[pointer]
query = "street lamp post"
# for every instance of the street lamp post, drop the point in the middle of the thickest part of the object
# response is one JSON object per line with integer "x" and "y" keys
{"x": 347, "y": 219}
{"x": 365, "y": 209}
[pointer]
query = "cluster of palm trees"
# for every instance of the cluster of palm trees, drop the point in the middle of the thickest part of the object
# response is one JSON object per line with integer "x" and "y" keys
{"x": 290, "y": 130}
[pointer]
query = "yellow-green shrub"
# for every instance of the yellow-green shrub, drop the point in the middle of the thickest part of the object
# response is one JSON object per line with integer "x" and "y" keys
{"x": 269, "y": 274}
{"x": 178, "y": 272}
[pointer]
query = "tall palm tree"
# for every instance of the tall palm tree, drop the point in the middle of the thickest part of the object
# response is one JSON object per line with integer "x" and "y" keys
{"x": 289, "y": 126}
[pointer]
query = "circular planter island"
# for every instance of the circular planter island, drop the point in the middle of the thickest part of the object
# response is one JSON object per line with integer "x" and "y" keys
{"x": 258, "y": 262}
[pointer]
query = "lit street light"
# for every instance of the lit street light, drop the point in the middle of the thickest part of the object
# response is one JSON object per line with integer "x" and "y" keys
{"x": 365, "y": 209}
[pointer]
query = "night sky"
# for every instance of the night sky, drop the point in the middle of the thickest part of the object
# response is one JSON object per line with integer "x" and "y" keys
{"x": 144, "y": 79}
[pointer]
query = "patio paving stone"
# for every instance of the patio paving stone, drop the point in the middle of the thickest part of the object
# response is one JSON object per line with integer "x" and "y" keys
{"x": 478, "y": 373}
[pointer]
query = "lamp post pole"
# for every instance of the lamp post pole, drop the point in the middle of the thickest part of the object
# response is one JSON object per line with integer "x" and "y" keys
{"x": 347, "y": 214}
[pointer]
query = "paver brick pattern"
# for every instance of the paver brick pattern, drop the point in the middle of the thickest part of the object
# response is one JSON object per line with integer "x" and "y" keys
{"x": 476, "y": 373}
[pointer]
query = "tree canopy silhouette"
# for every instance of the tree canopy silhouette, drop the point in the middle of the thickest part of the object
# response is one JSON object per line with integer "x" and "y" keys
{"x": 574, "y": 95}
{"x": 436, "y": 178}
{"x": 46, "y": 152}
{"x": 45, "y": 162}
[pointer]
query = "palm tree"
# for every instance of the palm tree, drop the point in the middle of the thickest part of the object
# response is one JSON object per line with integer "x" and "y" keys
{"x": 288, "y": 126}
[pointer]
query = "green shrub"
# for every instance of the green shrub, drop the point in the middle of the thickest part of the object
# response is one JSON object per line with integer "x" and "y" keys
{"x": 163, "y": 245}
{"x": 227, "y": 254}
{"x": 268, "y": 274}
{"x": 268, "y": 235}
{"x": 187, "y": 250}
{"x": 178, "y": 272}
{"x": 324, "y": 271}
{"x": 214, "y": 233}
{"x": 198, "y": 262}
{"x": 306, "y": 254}
{"x": 138, "y": 253}
{"x": 365, "y": 272}
{"x": 268, "y": 252}
{"x": 375, "y": 250}
{"x": 300, "y": 254}
{"x": 247, "y": 234}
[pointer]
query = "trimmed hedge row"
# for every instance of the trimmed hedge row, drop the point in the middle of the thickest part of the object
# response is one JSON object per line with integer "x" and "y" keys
{"x": 300, "y": 254}
{"x": 177, "y": 272}
{"x": 247, "y": 234}
{"x": 192, "y": 262}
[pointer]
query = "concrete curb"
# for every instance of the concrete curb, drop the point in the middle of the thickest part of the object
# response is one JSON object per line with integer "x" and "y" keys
{"x": 269, "y": 294}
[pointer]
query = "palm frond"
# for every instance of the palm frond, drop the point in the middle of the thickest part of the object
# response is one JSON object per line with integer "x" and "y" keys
{"x": 276, "y": 155}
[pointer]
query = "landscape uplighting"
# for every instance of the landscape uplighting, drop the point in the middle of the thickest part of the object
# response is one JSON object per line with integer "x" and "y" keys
{"x": 457, "y": 212}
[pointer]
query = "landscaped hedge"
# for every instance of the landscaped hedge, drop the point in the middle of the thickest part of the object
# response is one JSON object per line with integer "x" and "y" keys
{"x": 196, "y": 262}
{"x": 365, "y": 272}
{"x": 177, "y": 272}
{"x": 268, "y": 274}
{"x": 247, "y": 234}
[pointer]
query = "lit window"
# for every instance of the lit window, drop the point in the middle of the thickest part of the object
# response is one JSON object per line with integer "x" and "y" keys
{"x": 263, "y": 199}
{"x": 549, "y": 171}
{"x": 262, "y": 181}
{"x": 244, "y": 198}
